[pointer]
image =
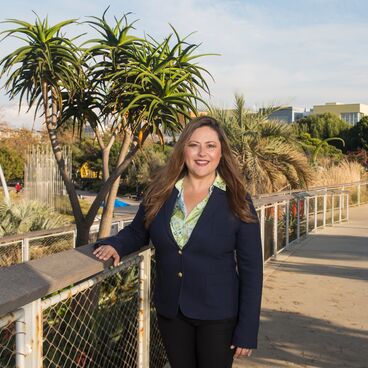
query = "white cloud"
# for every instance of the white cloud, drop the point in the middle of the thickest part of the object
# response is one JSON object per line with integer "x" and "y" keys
{"x": 269, "y": 55}
{"x": 304, "y": 64}
{"x": 23, "y": 119}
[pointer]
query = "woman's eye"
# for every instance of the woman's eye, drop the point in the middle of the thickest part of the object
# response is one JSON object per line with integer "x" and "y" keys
{"x": 212, "y": 146}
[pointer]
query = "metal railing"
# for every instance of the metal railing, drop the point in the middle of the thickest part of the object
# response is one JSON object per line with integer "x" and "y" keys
{"x": 107, "y": 319}
{"x": 33, "y": 245}
{"x": 287, "y": 217}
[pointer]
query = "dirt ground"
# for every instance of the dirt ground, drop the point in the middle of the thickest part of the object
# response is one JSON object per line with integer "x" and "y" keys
{"x": 315, "y": 301}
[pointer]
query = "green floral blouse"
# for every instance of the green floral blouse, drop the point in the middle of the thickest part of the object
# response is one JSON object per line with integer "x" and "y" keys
{"x": 183, "y": 224}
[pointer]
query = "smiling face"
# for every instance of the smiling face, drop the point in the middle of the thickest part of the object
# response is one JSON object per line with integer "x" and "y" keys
{"x": 202, "y": 152}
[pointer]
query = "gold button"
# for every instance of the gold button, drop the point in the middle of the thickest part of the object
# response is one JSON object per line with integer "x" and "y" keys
{"x": 180, "y": 274}
{"x": 180, "y": 252}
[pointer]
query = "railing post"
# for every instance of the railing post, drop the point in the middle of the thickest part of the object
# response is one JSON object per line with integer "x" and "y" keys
{"x": 332, "y": 208}
{"x": 298, "y": 218}
{"x": 25, "y": 249}
{"x": 262, "y": 225}
{"x": 306, "y": 202}
{"x": 340, "y": 206}
{"x": 74, "y": 238}
{"x": 358, "y": 195}
{"x": 315, "y": 212}
{"x": 343, "y": 198}
{"x": 144, "y": 310}
{"x": 275, "y": 223}
{"x": 324, "y": 209}
{"x": 287, "y": 220}
{"x": 33, "y": 339}
{"x": 347, "y": 206}
{"x": 20, "y": 342}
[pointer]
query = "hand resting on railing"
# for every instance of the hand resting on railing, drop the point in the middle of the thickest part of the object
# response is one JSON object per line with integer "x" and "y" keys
{"x": 104, "y": 252}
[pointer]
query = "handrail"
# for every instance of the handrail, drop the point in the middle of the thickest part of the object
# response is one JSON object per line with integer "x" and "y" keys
{"x": 284, "y": 220}
{"x": 313, "y": 188}
{"x": 41, "y": 233}
{"x": 28, "y": 281}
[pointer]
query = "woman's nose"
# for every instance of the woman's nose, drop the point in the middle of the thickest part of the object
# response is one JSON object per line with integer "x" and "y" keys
{"x": 201, "y": 151}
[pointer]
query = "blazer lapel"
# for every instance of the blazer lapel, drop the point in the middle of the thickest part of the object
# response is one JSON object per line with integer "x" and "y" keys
{"x": 213, "y": 202}
{"x": 168, "y": 210}
{"x": 206, "y": 216}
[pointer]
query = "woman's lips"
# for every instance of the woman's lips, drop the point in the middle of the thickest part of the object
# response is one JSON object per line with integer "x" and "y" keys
{"x": 201, "y": 162}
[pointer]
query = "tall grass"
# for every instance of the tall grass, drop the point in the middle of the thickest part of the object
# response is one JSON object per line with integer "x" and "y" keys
{"x": 344, "y": 172}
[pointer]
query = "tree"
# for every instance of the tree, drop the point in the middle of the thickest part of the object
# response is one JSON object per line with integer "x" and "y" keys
{"x": 20, "y": 140}
{"x": 357, "y": 136}
{"x": 145, "y": 164}
{"x": 121, "y": 85}
{"x": 324, "y": 144}
{"x": 322, "y": 126}
{"x": 140, "y": 87}
{"x": 12, "y": 163}
{"x": 37, "y": 72}
{"x": 268, "y": 151}
{"x": 315, "y": 146}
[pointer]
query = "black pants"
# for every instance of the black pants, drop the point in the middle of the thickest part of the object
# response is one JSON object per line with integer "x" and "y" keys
{"x": 194, "y": 343}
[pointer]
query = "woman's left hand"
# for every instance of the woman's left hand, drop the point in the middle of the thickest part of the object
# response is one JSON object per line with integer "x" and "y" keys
{"x": 241, "y": 352}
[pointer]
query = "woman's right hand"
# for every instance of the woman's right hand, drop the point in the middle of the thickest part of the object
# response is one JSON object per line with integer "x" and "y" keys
{"x": 104, "y": 252}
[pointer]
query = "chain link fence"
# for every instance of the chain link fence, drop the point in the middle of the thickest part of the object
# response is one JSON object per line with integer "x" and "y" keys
{"x": 7, "y": 342}
{"x": 11, "y": 253}
{"x": 46, "y": 245}
{"x": 94, "y": 324}
{"x": 91, "y": 324}
{"x": 157, "y": 357}
{"x": 97, "y": 322}
{"x": 33, "y": 247}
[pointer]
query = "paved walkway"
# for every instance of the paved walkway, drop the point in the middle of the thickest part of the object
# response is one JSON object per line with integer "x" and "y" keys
{"x": 315, "y": 301}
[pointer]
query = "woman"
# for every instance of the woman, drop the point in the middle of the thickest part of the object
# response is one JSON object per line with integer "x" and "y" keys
{"x": 208, "y": 251}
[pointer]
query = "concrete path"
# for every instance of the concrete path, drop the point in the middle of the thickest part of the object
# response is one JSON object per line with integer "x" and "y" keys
{"x": 315, "y": 301}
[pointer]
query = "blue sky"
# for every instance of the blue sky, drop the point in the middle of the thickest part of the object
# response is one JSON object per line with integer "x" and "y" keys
{"x": 273, "y": 51}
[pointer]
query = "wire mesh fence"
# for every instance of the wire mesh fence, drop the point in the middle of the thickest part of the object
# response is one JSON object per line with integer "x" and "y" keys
{"x": 7, "y": 342}
{"x": 158, "y": 358}
{"x": 293, "y": 214}
{"x": 96, "y": 323}
{"x": 96, "y": 327}
{"x": 10, "y": 253}
{"x": 268, "y": 233}
{"x": 92, "y": 324}
{"x": 281, "y": 218}
{"x": 39, "y": 247}
{"x": 34, "y": 247}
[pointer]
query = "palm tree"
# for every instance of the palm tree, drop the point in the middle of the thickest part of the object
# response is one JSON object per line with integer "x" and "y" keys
{"x": 141, "y": 87}
{"x": 268, "y": 151}
{"x": 138, "y": 86}
{"x": 38, "y": 73}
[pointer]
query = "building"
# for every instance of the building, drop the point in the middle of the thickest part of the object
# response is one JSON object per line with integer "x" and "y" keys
{"x": 289, "y": 114}
{"x": 351, "y": 113}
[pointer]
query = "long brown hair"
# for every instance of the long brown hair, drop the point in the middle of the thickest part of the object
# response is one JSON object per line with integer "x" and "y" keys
{"x": 164, "y": 180}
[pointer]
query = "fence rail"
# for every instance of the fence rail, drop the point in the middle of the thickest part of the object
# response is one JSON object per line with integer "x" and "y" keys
{"x": 68, "y": 310}
{"x": 33, "y": 245}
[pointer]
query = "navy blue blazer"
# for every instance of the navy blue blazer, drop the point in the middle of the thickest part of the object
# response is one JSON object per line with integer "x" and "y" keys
{"x": 218, "y": 274}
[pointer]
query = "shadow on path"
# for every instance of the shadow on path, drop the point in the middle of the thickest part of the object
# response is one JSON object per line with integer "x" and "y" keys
{"x": 289, "y": 339}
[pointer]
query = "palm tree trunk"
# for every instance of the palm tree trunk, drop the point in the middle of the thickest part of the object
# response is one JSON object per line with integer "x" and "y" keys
{"x": 108, "y": 211}
{"x": 82, "y": 226}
